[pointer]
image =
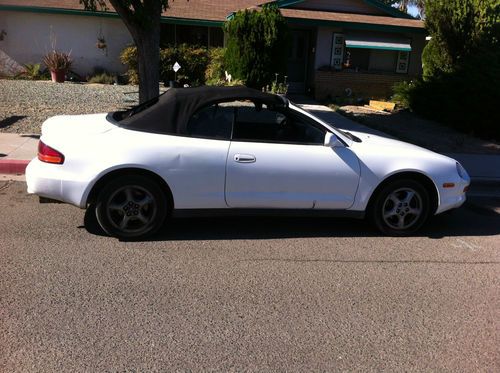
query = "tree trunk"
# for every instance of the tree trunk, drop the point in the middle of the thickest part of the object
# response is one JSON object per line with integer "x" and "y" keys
{"x": 143, "y": 22}
{"x": 148, "y": 55}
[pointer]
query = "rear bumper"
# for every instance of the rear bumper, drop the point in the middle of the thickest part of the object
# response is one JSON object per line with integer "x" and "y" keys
{"x": 53, "y": 182}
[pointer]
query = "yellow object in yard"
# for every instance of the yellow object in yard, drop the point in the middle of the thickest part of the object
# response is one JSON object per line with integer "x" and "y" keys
{"x": 382, "y": 105}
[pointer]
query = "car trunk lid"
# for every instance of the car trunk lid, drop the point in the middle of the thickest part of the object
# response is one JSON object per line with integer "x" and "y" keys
{"x": 76, "y": 125}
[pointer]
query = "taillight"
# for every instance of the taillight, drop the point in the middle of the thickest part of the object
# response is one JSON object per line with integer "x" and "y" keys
{"x": 48, "y": 154}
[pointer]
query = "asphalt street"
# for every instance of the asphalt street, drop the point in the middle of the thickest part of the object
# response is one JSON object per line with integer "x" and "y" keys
{"x": 246, "y": 294}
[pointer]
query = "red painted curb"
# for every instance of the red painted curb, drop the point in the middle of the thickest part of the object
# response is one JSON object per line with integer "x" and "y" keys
{"x": 13, "y": 166}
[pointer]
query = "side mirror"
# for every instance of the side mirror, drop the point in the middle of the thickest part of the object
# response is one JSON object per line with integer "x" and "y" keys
{"x": 332, "y": 141}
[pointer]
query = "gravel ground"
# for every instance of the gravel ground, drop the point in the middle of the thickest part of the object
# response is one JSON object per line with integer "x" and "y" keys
{"x": 427, "y": 133}
{"x": 25, "y": 105}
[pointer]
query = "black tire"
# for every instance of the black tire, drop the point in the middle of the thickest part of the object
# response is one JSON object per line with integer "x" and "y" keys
{"x": 131, "y": 207}
{"x": 400, "y": 208}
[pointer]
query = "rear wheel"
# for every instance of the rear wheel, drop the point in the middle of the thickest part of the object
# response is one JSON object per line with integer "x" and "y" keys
{"x": 400, "y": 208}
{"x": 131, "y": 207}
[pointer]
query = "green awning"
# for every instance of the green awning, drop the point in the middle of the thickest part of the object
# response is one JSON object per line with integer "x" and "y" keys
{"x": 378, "y": 43}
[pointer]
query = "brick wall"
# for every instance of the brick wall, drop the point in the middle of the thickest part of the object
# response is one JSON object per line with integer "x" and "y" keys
{"x": 369, "y": 85}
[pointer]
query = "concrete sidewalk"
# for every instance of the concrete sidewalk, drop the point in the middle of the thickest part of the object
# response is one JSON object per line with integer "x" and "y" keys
{"x": 16, "y": 151}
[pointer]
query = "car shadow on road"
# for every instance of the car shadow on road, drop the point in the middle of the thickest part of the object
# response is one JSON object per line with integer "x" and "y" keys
{"x": 470, "y": 220}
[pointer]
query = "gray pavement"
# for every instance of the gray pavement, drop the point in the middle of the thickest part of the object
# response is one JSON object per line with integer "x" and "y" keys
{"x": 246, "y": 294}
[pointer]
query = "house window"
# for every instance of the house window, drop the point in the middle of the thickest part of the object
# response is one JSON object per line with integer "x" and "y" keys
{"x": 382, "y": 60}
{"x": 357, "y": 59}
{"x": 167, "y": 34}
{"x": 192, "y": 35}
{"x": 216, "y": 37}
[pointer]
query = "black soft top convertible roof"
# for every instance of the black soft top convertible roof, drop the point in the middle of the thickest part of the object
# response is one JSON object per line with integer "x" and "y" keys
{"x": 171, "y": 111}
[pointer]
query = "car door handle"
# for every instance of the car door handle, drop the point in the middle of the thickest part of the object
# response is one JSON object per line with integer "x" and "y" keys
{"x": 244, "y": 158}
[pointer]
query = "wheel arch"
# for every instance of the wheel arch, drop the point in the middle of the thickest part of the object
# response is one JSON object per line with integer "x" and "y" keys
{"x": 425, "y": 180}
{"x": 127, "y": 171}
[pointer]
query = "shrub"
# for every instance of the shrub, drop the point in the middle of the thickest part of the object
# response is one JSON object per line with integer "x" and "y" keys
{"x": 32, "y": 71}
{"x": 215, "y": 72}
{"x": 402, "y": 92}
{"x": 102, "y": 78}
{"x": 257, "y": 46}
{"x": 128, "y": 57}
{"x": 461, "y": 67}
{"x": 193, "y": 61}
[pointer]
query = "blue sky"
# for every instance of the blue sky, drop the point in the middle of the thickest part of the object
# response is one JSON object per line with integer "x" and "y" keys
{"x": 413, "y": 10}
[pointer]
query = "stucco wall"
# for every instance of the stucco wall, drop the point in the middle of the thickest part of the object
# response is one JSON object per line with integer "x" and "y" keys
{"x": 29, "y": 37}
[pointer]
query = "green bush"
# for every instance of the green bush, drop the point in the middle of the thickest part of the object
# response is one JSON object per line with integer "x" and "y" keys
{"x": 257, "y": 46}
{"x": 215, "y": 72}
{"x": 102, "y": 78}
{"x": 461, "y": 67}
{"x": 33, "y": 71}
{"x": 128, "y": 57}
{"x": 402, "y": 92}
{"x": 193, "y": 61}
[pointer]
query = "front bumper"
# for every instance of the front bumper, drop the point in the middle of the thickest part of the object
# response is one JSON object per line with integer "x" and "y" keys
{"x": 451, "y": 198}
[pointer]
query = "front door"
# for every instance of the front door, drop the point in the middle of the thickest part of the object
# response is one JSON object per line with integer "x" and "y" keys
{"x": 277, "y": 160}
{"x": 297, "y": 60}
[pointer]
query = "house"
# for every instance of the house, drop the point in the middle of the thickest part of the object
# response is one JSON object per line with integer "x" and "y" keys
{"x": 338, "y": 46}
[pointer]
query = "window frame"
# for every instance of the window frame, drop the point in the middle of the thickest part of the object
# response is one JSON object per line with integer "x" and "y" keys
{"x": 216, "y": 102}
{"x": 286, "y": 111}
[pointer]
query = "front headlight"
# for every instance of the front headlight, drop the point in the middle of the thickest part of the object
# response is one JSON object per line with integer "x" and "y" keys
{"x": 461, "y": 172}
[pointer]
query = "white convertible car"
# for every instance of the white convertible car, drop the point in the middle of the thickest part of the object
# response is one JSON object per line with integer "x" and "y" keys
{"x": 235, "y": 150}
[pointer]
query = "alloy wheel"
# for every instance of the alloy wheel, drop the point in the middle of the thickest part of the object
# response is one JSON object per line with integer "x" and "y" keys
{"x": 402, "y": 208}
{"x": 131, "y": 209}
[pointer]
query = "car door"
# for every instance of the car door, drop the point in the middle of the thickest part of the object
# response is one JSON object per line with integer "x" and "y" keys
{"x": 279, "y": 160}
{"x": 197, "y": 162}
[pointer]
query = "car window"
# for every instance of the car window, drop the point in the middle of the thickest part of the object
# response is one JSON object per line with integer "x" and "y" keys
{"x": 214, "y": 122}
{"x": 258, "y": 122}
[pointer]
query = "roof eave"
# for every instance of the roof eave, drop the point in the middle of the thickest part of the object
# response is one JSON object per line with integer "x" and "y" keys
{"x": 357, "y": 25}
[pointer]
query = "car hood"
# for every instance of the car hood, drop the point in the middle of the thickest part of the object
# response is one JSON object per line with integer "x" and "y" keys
{"x": 390, "y": 155}
{"x": 370, "y": 140}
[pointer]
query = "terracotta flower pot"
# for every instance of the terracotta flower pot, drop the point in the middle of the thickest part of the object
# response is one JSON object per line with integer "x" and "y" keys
{"x": 58, "y": 76}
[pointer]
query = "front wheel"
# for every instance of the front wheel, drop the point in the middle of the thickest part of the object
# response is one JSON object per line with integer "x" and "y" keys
{"x": 131, "y": 207}
{"x": 400, "y": 208}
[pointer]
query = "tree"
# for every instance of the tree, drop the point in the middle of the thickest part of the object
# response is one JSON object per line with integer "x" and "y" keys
{"x": 461, "y": 66}
{"x": 461, "y": 30}
{"x": 257, "y": 45}
{"x": 142, "y": 19}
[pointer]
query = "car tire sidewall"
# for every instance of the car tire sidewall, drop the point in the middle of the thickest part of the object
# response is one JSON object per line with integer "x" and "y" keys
{"x": 376, "y": 209}
{"x": 106, "y": 193}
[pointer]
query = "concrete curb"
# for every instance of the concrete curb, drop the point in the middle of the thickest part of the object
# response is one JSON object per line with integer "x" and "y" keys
{"x": 13, "y": 166}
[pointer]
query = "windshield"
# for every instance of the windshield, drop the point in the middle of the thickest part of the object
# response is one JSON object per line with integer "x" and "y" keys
{"x": 346, "y": 134}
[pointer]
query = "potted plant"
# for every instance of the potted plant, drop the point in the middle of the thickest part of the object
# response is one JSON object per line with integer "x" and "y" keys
{"x": 58, "y": 63}
{"x": 101, "y": 43}
{"x": 277, "y": 88}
